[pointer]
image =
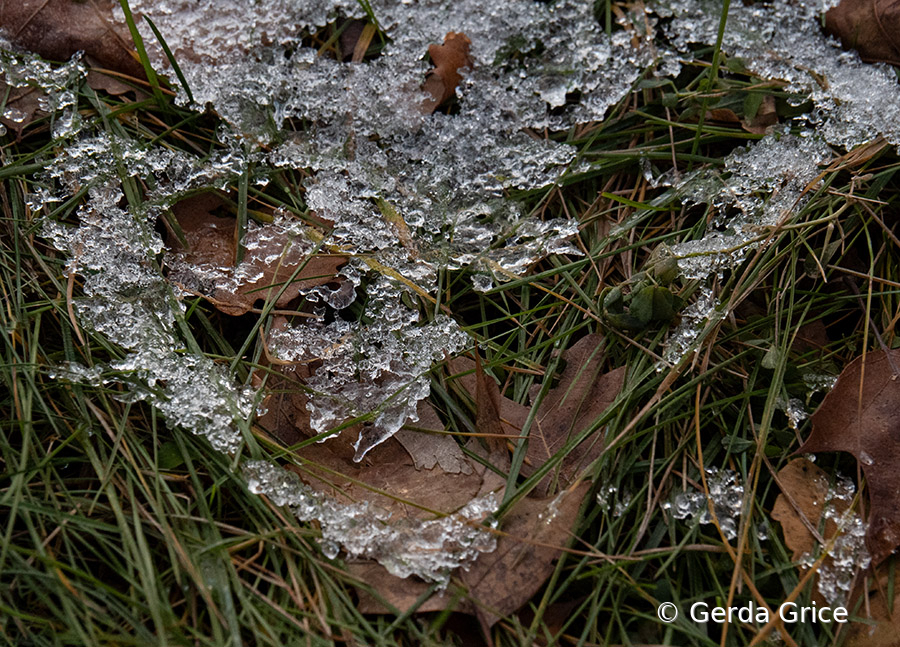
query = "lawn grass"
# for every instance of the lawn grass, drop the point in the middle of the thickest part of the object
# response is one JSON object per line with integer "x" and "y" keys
{"x": 119, "y": 530}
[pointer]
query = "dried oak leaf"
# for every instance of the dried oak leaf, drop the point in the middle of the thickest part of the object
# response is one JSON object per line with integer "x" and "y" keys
{"x": 871, "y": 27}
{"x": 208, "y": 268}
{"x": 429, "y": 445}
{"x": 534, "y": 532}
{"x": 581, "y": 396}
{"x": 387, "y": 478}
{"x": 56, "y": 29}
{"x": 886, "y": 630}
{"x": 448, "y": 59}
{"x": 861, "y": 415}
{"x": 532, "y": 535}
{"x": 766, "y": 116}
{"x": 799, "y": 508}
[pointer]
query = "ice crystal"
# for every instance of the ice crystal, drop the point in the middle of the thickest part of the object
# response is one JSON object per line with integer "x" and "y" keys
{"x": 607, "y": 495}
{"x": 685, "y": 337}
{"x": 848, "y": 553}
{"x": 379, "y": 367}
{"x": 816, "y": 382}
{"x": 128, "y": 301}
{"x": 726, "y": 494}
{"x": 762, "y": 185}
{"x": 794, "y": 410}
{"x": 429, "y": 548}
{"x": 855, "y": 101}
{"x": 56, "y": 85}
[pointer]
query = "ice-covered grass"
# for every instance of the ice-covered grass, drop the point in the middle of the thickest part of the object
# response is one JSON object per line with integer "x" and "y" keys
{"x": 131, "y": 455}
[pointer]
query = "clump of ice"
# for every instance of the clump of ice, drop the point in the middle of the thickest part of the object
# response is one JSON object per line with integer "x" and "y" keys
{"x": 794, "y": 410}
{"x": 378, "y": 365}
{"x": 129, "y": 302}
{"x": 726, "y": 494}
{"x": 848, "y": 554}
{"x": 57, "y": 86}
{"x": 855, "y": 101}
{"x": 430, "y": 549}
{"x": 687, "y": 335}
{"x": 607, "y": 495}
{"x": 761, "y": 186}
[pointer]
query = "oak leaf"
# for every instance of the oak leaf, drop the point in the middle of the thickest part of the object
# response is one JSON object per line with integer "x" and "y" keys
{"x": 448, "y": 59}
{"x": 861, "y": 415}
{"x": 799, "y": 507}
{"x": 56, "y": 29}
{"x": 871, "y": 27}
{"x": 533, "y": 533}
{"x": 584, "y": 392}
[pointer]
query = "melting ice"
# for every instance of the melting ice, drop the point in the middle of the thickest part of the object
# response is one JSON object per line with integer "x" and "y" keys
{"x": 726, "y": 494}
{"x": 368, "y": 151}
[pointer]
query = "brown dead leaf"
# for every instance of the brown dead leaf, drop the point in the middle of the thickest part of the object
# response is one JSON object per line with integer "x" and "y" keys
{"x": 435, "y": 448}
{"x": 871, "y": 27}
{"x": 22, "y": 107}
{"x": 395, "y": 477}
{"x": 56, "y": 29}
{"x": 799, "y": 507}
{"x": 387, "y": 478}
{"x": 402, "y": 593}
{"x": 534, "y": 532}
{"x": 448, "y": 59}
{"x": 98, "y": 80}
{"x": 885, "y": 632}
{"x": 811, "y": 337}
{"x": 583, "y": 393}
{"x": 723, "y": 116}
{"x": 861, "y": 415}
{"x": 212, "y": 252}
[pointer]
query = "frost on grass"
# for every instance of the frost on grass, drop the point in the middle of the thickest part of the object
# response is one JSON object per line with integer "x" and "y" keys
{"x": 429, "y": 549}
{"x": 726, "y": 494}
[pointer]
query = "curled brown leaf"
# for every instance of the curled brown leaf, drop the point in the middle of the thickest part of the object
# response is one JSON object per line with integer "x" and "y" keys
{"x": 448, "y": 58}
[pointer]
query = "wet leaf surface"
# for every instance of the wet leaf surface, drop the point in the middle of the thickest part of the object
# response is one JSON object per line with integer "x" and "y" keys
{"x": 861, "y": 415}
